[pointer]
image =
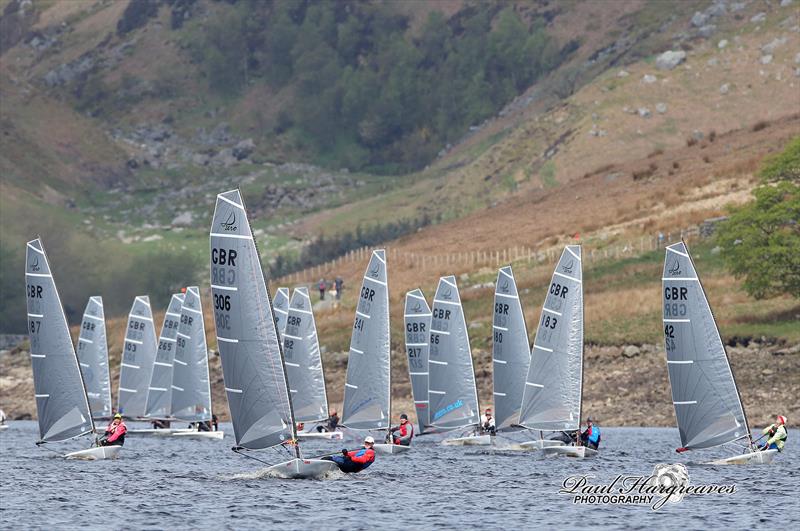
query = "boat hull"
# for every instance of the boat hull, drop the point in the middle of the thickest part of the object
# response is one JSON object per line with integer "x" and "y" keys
{"x": 471, "y": 440}
{"x": 576, "y": 452}
{"x": 390, "y": 449}
{"x": 764, "y": 457}
{"x": 302, "y": 469}
{"x": 3, "y": 427}
{"x": 326, "y": 435}
{"x": 540, "y": 444}
{"x": 213, "y": 435}
{"x": 96, "y": 453}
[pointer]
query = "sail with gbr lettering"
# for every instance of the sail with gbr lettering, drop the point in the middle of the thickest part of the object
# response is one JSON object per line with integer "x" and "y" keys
{"x": 159, "y": 395}
{"x": 191, "y": 390}
{"x": 138, "y": 355}
{"x": 252, "y": 362}
{"x": 417, "y": 318}
{"x": 61, "y": 404}
{"x": 552, "y": 397}
{"x": 93, "y": 358}
{"x": 704, "y": 393}
{"x": 511, "y": 352}
{"x": 303, "y": 361}
{"x": 452, "y": 393}
{"x": 367, "y": 395}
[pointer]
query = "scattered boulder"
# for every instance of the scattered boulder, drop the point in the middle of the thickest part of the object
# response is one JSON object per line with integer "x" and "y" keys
{"x": 644, "y": 112}
{"x": 184, "y": 219}
{"x": 244, "y": 149}
{"x": 725, "y": 88}
{"x": 649, "y": 78}
{"x": 623, "y": 73}
{"x": 722, "y": 44}
{"x": 766, "y": 59}
{"x": 707, "y": 31}
{"x": 713, "y": 61}
{"x": 631, "y": 351}
{"x": 153, "y": 238}
{"x": 785, "y": 3}
{"x": 760, "y": 17}
{"x": 661, "y": 108}
{"x": 670, "y": 59}
{"x": 772, "y": 46}
{"x": 699, "y": 19}
{"x": 697, "y": 135}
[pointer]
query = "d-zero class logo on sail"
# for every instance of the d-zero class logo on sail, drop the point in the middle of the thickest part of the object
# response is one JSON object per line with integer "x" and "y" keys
{"x": 504, "y": 287}
{"x": 417, "y": 308}
{"x": 675, "y": 270}
{"x": 447, "y": 294}
{"x": 375, "y": 271}
{"x": 567, "y": 268}
{"x": 35, "y": 264}
{"x": 230, "y": 222}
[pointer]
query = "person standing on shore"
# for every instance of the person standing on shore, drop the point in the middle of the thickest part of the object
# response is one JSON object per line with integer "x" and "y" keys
{"x": 321, "y": 287}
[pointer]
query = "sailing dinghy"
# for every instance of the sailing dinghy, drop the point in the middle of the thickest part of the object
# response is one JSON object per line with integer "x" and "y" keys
{"x": 93, "y": 359}
{"x": 553, "y": 388}
{"x": 367, "y": 389}
{"x": 252, "y": 358}
{"x": 191, "y": 389}
{"x": 281, "y": 306}
{"x": 61, "y": 402}
{"x": 159, "y": 393}
{"x": 417, "y": 320}
{"x": 707, "y": 404}
{"x": 452, "y": 394}
{"x": 138, "y": 356}
{"x": 304, "y": 367}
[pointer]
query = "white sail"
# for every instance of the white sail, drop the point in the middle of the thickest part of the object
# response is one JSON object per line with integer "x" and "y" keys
{"x": 138, "y": 355}
{"x": 93, "y": 358}
{"x": 159, "y": 395}
{"x": 552, "y": 397}
{"x": 61, "y": 403}
{"x": 417, "y": 319}
{"x": 280, "y": 304}
{"x": 191, "y": 390}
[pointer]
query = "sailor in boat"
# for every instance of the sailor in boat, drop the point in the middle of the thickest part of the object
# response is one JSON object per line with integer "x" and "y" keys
{"x": 331, "y": 424}
{"x": 355, "y": 460}
{"x": 115, "y": 432}
{"x": 591, "y": 436}
{"x": 301, "y": 426}
{"x": 776, "y": 433}
{"x": 487, "y": 422}
{"x": 160, "y": 424}
{"x": 403, "y": 433}
{"x": 2, "y": 417}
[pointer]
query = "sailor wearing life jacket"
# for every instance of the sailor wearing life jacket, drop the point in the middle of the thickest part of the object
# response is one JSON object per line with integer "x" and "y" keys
{"x": 355, "y": 460}
{"x": 591, "y": 436}
{"x": 777, "y": 434}
{"x": 115, "y": 432}
{"x": 403, "y": 433}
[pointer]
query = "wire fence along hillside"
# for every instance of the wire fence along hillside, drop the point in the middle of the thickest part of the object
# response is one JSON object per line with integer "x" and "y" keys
{"x": 470, "y": 260}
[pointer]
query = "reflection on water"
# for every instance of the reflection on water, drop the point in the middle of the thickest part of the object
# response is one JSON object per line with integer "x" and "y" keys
{"x": 170, "y": 483}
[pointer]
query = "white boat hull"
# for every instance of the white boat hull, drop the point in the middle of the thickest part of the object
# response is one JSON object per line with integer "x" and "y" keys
{"x": 390, "y": 449}
{"x": 97, "y": 453}
{"x": 158, "y": 432}
{"x": 302, "y": 469}
{"x": 327, "y": 435}
{"x": 577, "y": 452}
{"x": 3, "y": 427}
{"x": 764, "y": 457}
{"x": 214, "y": 435}
{"x": 539, "y": 444}
{"x": 471, "y": 440}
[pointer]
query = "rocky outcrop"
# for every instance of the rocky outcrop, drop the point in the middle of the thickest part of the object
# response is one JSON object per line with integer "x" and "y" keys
{"x": 670, "y": 59}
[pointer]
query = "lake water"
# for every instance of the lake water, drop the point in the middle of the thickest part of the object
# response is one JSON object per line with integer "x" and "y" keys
{"x": 182, "y": 484}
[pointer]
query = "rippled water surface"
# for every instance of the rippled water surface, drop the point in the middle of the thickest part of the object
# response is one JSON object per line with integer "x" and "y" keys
{"x": 179, "y": 484}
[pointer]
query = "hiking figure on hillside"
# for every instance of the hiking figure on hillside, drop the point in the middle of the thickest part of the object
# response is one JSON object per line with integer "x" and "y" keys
{"x": 339, "y": 285}
{"x": 321, "y": 289}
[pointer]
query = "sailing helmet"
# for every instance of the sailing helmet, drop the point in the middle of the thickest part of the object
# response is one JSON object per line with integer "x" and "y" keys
{"x": 488, "y": 410}
{"x": 369, "y": 440}
{"x": 589, "y": 419}
{"x": 404, "y": 416}
{"x": 781, "y": 420}
{"x": 117, "y": 416}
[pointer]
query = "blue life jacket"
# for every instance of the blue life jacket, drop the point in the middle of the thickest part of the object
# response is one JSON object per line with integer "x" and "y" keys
{"x": 594, "y": 438}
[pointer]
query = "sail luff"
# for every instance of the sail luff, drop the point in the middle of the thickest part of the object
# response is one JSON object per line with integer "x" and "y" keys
{"x": 707, "y": 403}
{"x": 367, "y": 395}
{"x": 247, "y": 336}
{"x": 281, "y": 309}
{"x": 61, "y": 401}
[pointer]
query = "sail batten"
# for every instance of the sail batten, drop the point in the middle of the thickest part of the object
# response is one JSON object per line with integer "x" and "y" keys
{"x": 252, "y": 365}
{"x": 191, "y": 394}
{"x": 417, "y": 317}
{"x": 452, "y": 394}
{"x": 138, "y": 355}
{"x": 551, "y": 398}
{"x": 303, "y": 361}
{"x": 367, "y": 395}
{"x": 159, "y": 396}
{"x": 61, "y": 402}
{"x": 280, "y": 304}
{"x": 511, "y": 352}
{"x": 92, "y": 354}
{"x": 707, "y": 405}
